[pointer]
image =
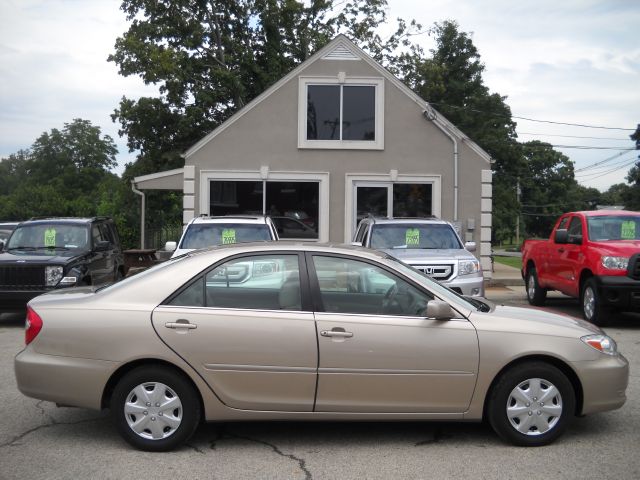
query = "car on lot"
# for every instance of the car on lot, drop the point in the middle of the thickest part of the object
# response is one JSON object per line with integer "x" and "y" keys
{"x": 428, "y": 244}
{"x": 54, "y": 253}
{"x": 291, "y": 331}
{"x": 5, "y": 232}
{"x": 291, "y": 228}
{"x": 203, "y": 231}
{"x": 593, "y": 256}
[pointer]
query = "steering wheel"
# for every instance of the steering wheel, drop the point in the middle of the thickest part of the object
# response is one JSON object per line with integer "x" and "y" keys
{"x": 389, "y": 299}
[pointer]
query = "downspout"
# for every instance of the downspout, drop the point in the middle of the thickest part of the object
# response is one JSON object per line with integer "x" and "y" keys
{"x": 138, "y": 192}
{"x": 430, "y": 115}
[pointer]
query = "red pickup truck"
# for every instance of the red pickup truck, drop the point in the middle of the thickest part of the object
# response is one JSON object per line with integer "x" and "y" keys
{"x": 593, "y": 256}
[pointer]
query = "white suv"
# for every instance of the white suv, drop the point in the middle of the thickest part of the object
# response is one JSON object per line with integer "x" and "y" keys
{"x": 202, "y": 232}
{"x": 429, "y": 245}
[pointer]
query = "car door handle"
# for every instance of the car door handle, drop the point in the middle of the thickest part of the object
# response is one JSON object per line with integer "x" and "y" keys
{"x": 336, "y": 333}
{"x": 181, "y": 324}
{"x": 561, "y": 250}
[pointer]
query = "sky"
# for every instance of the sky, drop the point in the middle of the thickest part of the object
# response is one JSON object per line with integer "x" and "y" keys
{"x": 569, "y": 61}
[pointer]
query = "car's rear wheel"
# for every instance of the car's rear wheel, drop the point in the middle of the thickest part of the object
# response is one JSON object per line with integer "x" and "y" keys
{"x": 592, "y": 309}
{"x": 531, "y": 404}
{"x": 536, "y": 295}
{"x": 155, "y": 408}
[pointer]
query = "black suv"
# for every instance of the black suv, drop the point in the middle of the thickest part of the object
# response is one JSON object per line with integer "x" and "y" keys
{"x": 44, "y": 254}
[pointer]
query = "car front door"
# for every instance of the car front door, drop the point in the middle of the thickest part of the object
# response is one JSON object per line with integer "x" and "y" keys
{"x": 377, "y": 351}
{"x": 243, "y": 327}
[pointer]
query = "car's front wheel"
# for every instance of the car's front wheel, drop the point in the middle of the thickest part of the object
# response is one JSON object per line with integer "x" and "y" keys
{"x": 155, "y": 408}
{"x": 531, "y": 404}
{"x": 592, "y": 309}
{"x": 536, "y": 295}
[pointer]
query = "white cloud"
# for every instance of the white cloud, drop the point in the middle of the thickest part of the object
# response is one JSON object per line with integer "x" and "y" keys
{"x": 572, "y": 61}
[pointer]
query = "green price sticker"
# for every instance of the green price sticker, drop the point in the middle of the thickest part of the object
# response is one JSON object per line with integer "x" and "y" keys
{"x": 228, "y": 236}
{"x": 50, "y": 237}
{"x": 412, "y": 237}
{"x": 628, "y": 230}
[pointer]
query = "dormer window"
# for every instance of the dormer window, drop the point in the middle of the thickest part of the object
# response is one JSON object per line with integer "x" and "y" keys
{"x": 339, "y": 114}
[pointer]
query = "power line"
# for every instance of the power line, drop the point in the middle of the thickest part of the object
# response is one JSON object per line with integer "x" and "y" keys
{"x": 572, "y": 136}
{"x": 584, "y": 147}
{"x": 600, "y": 162}
{"x": 534, "y": 119}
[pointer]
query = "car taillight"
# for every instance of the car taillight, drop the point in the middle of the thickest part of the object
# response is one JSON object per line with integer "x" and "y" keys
{"x": 33, "y": 325}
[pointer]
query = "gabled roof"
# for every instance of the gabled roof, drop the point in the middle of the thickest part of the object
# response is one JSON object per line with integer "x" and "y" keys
{"x": 342, "y": 48}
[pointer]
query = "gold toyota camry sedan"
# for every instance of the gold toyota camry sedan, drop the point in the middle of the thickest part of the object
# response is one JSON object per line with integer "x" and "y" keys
{"x": 285, "y": 331}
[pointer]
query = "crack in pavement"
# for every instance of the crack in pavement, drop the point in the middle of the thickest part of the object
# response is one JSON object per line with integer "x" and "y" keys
{"x": 224, "y": 434}
{"x": 52, "y": 423}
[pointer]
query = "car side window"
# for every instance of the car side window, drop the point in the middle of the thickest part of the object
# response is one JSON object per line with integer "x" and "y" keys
{"x": 353, "y": 286}
{"x": 575, "y": 227}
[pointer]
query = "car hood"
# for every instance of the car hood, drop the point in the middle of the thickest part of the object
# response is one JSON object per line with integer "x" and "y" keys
{"x": 617, "y": 247}
{"x": 39, "y": 257}
{"x": 531, "y": 320}
{"x": 421, "y": 255}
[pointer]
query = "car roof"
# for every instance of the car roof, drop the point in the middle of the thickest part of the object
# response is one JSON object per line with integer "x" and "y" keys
{"x": 248, "y": 219}
{"x": 599, "y": 213}
{"x": 407, "y": 220}
{"x": 69, "y": 220}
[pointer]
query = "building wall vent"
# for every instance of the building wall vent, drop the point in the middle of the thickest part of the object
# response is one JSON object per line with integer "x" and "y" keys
{"x": 341, "y": 52}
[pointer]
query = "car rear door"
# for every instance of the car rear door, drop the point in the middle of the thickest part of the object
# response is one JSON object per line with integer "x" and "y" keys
{"x": 377, "y": 353}
{"x": 244, "y": 327}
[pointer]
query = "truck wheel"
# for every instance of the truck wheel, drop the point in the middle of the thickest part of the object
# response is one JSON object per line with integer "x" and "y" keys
{"x": 592, "y": 309}
{"x": 535, "y": 294}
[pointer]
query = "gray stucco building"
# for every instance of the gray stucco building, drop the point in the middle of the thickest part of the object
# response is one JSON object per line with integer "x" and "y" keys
{"x": 338, "y": 138}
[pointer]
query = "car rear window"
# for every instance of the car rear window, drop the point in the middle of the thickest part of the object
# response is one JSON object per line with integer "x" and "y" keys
{"x": 205, "y": 235}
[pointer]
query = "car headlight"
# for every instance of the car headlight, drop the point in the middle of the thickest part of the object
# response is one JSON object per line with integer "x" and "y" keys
{"x": 602, "y": 343}
{"x": 615, "y": 263}
{"x": 467, "y": 267}
{"x": 52, "y": 275}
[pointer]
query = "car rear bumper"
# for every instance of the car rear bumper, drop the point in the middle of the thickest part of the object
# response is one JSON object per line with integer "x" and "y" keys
{"x": 619, "y": 292}
{"x": 604, "y": 383}
{"x": 77, "y": 382}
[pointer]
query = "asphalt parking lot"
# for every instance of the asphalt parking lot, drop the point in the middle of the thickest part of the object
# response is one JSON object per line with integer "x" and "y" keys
{"x": 41, "y": 441}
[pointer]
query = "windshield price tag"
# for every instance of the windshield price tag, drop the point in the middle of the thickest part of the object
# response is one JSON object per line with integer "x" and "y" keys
{"x": 412, "y": 237}
{"x": 50, "y": 237}
{"x": 228, "y": 236}
{"x": 628, "y": 230}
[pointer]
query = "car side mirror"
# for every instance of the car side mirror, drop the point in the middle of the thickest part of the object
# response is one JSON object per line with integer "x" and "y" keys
{"x": 562, "y": 236}
{"x": 103, "y": 246}
{"x": 470, "y": 246}
{"x": 439, "y": 310}
{"x": 170, "y": 246}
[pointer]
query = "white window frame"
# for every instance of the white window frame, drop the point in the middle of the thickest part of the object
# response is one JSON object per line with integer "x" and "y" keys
{"x": 354, "y": 180}
{"x": 376, "y": 82}
{"x": 207, "y": 176}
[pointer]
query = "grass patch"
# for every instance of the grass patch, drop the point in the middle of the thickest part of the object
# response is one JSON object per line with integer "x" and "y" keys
{"x": 515, "y": 262}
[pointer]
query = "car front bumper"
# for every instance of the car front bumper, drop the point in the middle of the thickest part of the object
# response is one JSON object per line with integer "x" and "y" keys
{"x": 620, "y": 292}
{"x": 604, "y": 383}
{"x": 472, "y": 286}
{"x": 16, "y": 300}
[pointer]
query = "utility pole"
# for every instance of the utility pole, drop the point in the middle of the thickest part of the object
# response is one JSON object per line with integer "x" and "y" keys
{"x": 518, "y": 211}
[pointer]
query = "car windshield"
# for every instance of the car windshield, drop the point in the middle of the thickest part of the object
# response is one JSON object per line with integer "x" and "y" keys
{"x": 207, "y": 234}
{"x": 50, "y": 236}
{"x": 417, "y": 236}
{"x": 438, "y": 289}
{"x": 614, "y": 227}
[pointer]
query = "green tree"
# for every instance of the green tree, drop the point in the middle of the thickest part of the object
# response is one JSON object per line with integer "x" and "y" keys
{"x": 62, "y": 174}
{"x": 632, "y": 195}
{"x": 451, "y": 80}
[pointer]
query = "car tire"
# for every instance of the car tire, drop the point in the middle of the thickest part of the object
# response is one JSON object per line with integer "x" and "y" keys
{"x": 591, "y": 303}
{"x": 531, "y": 404}
{"x": 155, "y": 408}
{"x": 536, "y": 295}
